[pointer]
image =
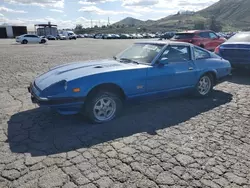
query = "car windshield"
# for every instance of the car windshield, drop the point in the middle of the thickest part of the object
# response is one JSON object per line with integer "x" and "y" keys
{"x": 240, "y": 37}
{"x": 141, "y": 53}
{"x": 183, "y": 35}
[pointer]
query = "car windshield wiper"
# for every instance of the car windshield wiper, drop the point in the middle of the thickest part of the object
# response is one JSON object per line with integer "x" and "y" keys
{"x": 128, "y": 60}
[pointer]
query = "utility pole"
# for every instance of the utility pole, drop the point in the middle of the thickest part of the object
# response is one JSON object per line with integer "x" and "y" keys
{"x": 108, "y": 21}
{"x": 91, "y": 23}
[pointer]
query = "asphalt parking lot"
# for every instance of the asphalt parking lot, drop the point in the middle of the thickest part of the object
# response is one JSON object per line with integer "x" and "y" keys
{"x": 179, "y": 142}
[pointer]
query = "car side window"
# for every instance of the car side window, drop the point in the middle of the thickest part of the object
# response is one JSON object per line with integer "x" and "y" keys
{"x": 200, "y": 54}
{"x": 204, "y": 35}
{"x": 212, "y": 35}
{"x": 177, "y": 53}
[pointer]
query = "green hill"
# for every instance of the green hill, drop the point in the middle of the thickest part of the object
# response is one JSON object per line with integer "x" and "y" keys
{"x": 235, "y": 13}
{"x": 129, "y": 21}
{"x": 232, "y": 14}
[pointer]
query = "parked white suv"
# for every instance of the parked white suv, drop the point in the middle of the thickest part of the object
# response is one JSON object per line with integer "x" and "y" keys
{"x": 26, "y": 38}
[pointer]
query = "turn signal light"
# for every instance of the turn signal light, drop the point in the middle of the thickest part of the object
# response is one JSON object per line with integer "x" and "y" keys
{"x": 217, "y": 50}
{"x": 76, "y": 90}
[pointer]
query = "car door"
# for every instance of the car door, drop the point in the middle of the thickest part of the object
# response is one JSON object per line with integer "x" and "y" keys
{"x": 178, "y": 73}
{"x": 215, "y": 41}
{"x": 205, "y": 40}
{"x": 31, "y": 38}
{"x": 36, "y": 39}
{"x": 28, "y": 38}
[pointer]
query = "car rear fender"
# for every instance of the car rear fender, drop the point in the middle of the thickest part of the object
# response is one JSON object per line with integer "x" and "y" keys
{"x": 211, "y": 72}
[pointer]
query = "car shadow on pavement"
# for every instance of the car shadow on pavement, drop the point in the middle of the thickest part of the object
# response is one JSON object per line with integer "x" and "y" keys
{"x": 241, "y": 77}
{"x": 43, "y": 132}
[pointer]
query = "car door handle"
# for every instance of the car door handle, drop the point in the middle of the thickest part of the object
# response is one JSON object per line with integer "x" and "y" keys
{"x": 191, "y": 68}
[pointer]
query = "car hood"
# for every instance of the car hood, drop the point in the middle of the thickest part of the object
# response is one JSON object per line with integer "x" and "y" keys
{"x": 77, "y": 70}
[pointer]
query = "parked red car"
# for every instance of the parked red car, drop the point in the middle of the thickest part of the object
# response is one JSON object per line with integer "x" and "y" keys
{"x": 204, "y": 38}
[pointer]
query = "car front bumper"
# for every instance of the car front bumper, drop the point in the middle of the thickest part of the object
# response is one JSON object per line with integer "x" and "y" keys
{"x": 65, "y": 105}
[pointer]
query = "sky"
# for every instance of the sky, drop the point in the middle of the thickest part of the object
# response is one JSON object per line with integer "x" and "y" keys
{"x": 68, "y": 13}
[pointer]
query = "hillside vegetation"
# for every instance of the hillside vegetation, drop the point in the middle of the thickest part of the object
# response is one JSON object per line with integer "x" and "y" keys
{"x": 232, "y": 15}
{"x": 235, "y": 13}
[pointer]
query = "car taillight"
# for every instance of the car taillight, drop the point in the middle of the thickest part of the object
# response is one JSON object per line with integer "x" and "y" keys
{"x": 217, "y": 50}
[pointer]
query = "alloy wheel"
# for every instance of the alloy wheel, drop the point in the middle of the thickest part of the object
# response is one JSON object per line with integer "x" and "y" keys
{"x": 204, "y": 85}
{"x": 104, "y": 109}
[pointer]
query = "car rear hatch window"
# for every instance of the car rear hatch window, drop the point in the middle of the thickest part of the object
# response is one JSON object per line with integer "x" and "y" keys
{"x": 240, "y": 37}
{"x": 183, "y": 36}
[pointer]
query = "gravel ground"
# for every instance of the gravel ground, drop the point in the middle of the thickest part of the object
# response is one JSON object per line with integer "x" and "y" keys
{"x": 180, "y": 142}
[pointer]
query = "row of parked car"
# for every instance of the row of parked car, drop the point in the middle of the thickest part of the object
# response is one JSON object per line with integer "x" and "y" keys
{"x": 125, "y": 36}
{"x": 60, "y": 37}
{"x": 164, "y": 35}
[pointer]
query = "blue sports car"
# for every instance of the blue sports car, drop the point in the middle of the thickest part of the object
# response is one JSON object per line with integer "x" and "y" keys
{"x": 236, "y": 50}
{"x": 146, "y": 69}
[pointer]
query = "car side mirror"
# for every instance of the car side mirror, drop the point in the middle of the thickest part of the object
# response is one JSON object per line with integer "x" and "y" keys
{"x": 163, "y": 61}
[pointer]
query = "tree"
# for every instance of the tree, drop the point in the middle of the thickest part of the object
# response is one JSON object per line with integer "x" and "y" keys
{"x": 96, "y": 26}
{"x": 144, "y": 29}
{"x": 215, "y": 25}
{"x": 78, "y": 28}
{"x": 199, "y": 25}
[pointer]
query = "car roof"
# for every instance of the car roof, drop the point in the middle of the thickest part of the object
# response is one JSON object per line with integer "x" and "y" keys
{"x": 166, "y": 42}
{"x": 194, "y": 31}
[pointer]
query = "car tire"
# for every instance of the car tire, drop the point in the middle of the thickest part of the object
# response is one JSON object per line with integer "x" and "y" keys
{"x": 43, "y": 41}
{"x": 204, "y": 86}
{"x": 24, "y": 42}
{"x": 103, "y": 104}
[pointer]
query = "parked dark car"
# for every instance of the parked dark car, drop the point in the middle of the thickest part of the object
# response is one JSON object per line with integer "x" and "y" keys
{"x": 167, "y": 35}
{"x": 236, "y": 50}
{"x": 50, "y": 37}
{"x": 72, "y": 36}
{"x": 98, "y": 36}
{"x": 80, "y": 36}
{"x": 107, "y": 36}
{"x": 125, "y": 36}
{"x": 203, "y": 38}
{"x": 115, "y": 36}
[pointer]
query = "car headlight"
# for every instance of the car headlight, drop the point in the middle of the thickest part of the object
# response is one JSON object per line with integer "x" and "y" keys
{"x": 56, "y": 88}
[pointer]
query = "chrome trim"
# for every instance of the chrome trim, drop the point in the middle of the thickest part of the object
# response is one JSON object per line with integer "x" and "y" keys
{"x": 228, "y": 48}
{"x": 34, "y": 94}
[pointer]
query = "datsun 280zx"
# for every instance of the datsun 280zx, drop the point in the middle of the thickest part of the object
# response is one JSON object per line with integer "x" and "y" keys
{"x": 145, "y": 70}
